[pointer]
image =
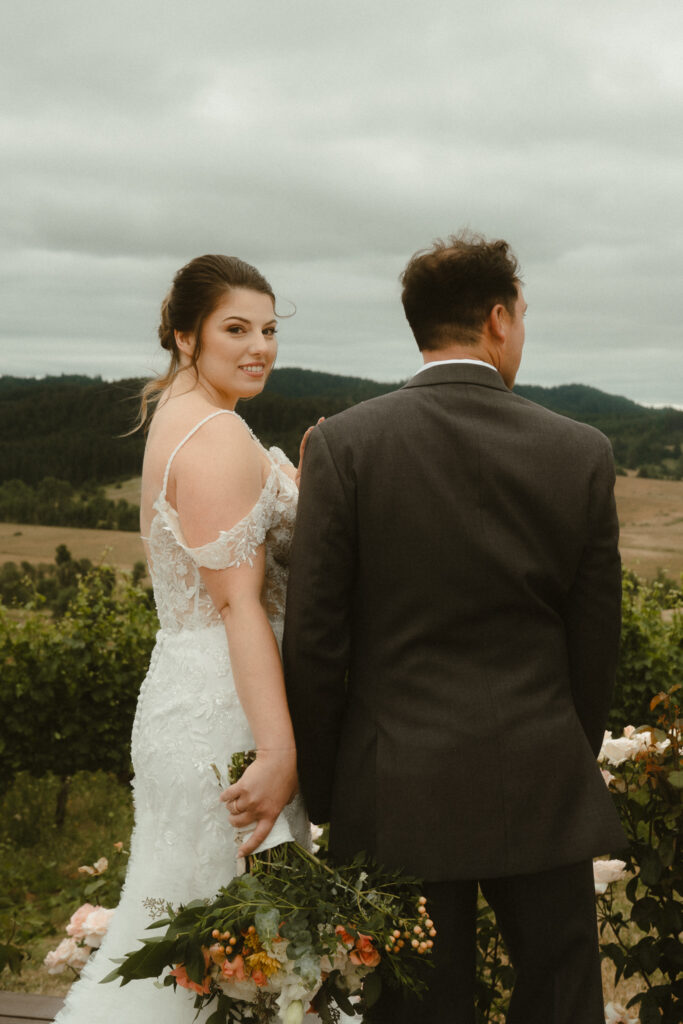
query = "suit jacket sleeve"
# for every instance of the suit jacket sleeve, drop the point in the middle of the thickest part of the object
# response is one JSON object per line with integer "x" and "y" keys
{"x": 593, "y": 617}
{"x": 316, "y": 639}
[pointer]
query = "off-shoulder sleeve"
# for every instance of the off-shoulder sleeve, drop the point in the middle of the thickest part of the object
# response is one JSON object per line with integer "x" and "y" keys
{"x": 279, "y": 458}
{"x": 233, "y": 547}
{"x": 236, "y": 546}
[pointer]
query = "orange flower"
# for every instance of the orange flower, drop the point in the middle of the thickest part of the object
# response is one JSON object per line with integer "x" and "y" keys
{"x": 347, "y": 939}
{"x": 233, "y": 970}
{"x": 181, "y": 976}
{"x": 364, "y": 952}
{"x": 259, "y": 977}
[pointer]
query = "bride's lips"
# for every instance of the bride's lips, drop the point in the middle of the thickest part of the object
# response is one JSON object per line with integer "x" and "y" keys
{"x": 254, "y": 369}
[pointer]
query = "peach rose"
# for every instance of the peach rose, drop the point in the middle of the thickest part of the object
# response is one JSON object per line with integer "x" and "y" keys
{"x": 75, "y": 925}
{"x": 258, "y": 977}
{"x": 233, "y": 970}
{"x": 364, "y": 953}
{"x": 96, "y": 924}
{"x": 67, "y": 954}
{"x": 347, "y": 939}
{"x": 181, "y": 976}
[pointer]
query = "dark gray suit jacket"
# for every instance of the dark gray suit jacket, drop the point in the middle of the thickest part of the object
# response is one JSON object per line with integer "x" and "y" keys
{"x": 452, "y": 630}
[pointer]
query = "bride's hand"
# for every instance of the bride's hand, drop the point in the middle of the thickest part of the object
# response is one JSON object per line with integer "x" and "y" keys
{"x": 258, "y": 797}
{"x": 302, "y": 449}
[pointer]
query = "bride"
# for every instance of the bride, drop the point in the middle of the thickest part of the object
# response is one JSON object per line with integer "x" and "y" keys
{"x": 217, "y": 515}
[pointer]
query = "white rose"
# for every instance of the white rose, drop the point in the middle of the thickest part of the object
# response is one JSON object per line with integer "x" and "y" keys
{"x": 607, "y": 871}
{"x": 616, "y": 751}
{"x": 616, "y": 1014}
{"x": 247, "y": 989}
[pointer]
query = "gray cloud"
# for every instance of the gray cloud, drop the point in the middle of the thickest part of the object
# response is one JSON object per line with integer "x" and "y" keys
{"x": 325, "y": 143}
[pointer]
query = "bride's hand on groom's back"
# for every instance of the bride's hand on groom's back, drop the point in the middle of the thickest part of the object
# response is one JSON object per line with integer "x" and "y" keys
{"x": 302, "y": 449}
{"x": 258, "y": 797}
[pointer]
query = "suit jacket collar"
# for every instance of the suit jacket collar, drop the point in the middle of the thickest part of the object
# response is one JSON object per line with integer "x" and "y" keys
{"x": 457, "y": 373}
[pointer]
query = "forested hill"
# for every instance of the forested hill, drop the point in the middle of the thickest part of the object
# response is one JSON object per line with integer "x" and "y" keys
{"x": 72, "y": 428}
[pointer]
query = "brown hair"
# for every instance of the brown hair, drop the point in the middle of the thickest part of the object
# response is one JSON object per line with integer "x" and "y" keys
{"x": 196, "y": 291}
{"x": 450, "y": 289}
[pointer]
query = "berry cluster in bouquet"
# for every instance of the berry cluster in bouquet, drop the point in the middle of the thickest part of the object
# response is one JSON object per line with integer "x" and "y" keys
{"x": 292, "y": 934}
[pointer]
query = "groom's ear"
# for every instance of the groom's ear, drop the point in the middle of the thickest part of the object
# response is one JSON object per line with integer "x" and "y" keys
{"x": 494, "y": 328}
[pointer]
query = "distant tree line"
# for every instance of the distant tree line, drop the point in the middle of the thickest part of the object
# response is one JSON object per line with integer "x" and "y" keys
{"x": 54, "y": 502}
{"x": 75, "y": 429}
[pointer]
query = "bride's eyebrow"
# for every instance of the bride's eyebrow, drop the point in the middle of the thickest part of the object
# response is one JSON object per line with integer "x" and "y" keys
{"x": 245, "y": 320}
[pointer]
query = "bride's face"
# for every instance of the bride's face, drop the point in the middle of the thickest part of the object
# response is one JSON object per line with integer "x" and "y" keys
{"x": 238, "y": 348}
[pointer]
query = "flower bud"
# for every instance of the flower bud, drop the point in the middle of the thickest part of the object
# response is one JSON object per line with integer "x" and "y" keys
{"x": 294, "y": 1014}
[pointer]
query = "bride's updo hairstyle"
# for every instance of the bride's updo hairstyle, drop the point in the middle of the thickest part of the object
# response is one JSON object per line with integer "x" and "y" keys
{"x": 197, "y": 290}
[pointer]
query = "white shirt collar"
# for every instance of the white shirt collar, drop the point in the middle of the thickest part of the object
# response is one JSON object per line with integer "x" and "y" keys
{"x": 444, "y": 362}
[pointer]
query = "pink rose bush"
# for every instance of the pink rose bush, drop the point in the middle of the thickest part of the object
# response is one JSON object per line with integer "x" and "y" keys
{"x": 85, "y": 931}
{"x": 67, "y": 954}
{"x": 98, "y": 868}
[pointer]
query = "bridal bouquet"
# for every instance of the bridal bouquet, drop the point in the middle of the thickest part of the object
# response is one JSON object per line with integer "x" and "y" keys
{"x": 291, "y": 934}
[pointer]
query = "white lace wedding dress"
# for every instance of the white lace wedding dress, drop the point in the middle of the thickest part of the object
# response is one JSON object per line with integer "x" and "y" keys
{"x": 188, "y": 717}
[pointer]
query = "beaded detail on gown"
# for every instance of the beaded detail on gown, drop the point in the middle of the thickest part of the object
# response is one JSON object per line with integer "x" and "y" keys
{"x": 188, "y": 717}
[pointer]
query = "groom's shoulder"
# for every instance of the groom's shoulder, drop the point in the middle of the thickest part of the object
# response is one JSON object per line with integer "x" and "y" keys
{"x": 372, "y": 410}
{"x": 558, "y": 425}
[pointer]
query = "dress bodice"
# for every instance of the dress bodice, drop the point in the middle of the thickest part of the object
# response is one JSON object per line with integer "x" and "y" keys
{"x": 181, "y": 597}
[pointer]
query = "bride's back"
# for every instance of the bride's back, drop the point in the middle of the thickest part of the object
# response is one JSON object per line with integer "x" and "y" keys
{"x": 175, "y": 416}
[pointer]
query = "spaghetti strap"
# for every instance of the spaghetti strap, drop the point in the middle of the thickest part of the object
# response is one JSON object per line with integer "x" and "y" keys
{"x": 218, "y": 412}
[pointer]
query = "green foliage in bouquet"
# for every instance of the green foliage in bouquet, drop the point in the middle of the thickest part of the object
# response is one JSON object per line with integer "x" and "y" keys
{"x": 289, "y": 933}
{"x": 292, "y": 926}
{"x": 495, "y": 974}
{"x": 647, "y": 786}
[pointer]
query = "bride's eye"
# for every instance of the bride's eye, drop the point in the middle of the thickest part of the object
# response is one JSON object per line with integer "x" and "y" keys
{"x": 235, "y": 329}
{"x": 269, "y": 332}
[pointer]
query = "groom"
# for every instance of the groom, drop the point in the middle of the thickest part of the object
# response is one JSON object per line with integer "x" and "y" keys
{"x": 451, "y": 642}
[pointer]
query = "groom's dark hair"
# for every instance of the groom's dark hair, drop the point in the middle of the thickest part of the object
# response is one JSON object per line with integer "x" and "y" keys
{"x": 450, "y": 289}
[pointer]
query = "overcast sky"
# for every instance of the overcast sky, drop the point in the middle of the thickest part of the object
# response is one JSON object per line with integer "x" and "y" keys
{"x": 325, "y": 142}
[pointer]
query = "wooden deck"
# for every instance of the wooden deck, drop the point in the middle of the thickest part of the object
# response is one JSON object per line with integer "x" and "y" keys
{"x": 23, "y": 1008}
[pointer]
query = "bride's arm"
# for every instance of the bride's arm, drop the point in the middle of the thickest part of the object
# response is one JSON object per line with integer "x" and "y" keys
{"x": 212, "y": 493}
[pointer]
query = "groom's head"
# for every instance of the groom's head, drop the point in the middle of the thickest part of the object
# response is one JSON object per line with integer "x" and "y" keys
{"x": 450, "y": 290}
